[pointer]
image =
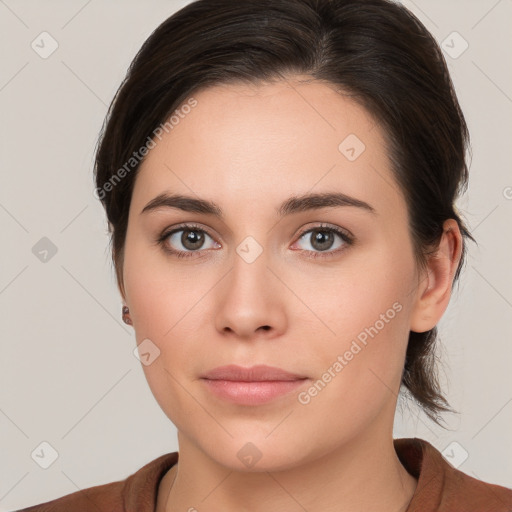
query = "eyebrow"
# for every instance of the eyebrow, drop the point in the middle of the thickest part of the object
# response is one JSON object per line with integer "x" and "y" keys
{"x": 294, "y": 204}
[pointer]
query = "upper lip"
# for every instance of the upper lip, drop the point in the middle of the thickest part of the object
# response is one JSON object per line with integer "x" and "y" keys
{"x": 254, "y": 373}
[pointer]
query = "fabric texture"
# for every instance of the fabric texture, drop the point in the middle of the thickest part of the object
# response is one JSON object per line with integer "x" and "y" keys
{"x": 441, "y": 487}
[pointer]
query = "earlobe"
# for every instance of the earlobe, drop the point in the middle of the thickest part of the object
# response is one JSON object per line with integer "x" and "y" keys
{"x": 434, "y": 290}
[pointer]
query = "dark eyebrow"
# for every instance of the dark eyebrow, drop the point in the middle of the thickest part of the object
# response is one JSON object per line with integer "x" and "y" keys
{"x": 292, "y": 205}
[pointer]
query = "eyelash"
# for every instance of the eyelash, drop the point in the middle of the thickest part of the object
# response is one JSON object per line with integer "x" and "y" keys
{"x": 347, "y": 239}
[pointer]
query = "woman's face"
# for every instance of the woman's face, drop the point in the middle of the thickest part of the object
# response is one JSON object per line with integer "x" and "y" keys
{"x": 266, "y": 282}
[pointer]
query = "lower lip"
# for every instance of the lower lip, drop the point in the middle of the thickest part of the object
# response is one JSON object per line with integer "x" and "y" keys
{"x": 252, "y": 393}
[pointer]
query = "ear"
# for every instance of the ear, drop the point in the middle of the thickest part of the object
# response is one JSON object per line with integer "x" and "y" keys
{"x": 434, "y": 290}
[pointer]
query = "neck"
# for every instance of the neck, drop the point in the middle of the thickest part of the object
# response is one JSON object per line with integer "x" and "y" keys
{"x": 364, "y": 474}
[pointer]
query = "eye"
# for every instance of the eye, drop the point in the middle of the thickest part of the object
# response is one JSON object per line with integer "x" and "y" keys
{"x": 323, "y": 238}
{"x": 186, "y": 239}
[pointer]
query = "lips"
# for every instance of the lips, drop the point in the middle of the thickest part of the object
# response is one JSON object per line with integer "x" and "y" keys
{"x": 252, "y": 386}
{"x": 258, "y": 373}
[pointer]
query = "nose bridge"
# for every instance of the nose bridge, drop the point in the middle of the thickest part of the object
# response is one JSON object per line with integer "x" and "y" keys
{"x": 250, "y": 262}
{"x": 251, "y": 254}
{"x": 250, "y": 274}
{"x": 250, "y": 250}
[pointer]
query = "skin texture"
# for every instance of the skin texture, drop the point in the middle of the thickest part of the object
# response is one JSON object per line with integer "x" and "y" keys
{"x": 249, "y": 148}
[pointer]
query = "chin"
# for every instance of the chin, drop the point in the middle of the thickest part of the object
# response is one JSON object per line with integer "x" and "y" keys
{"x": 253, "y": 453}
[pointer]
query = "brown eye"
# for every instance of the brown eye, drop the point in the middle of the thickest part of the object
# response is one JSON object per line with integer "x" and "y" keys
{"x": 185, "y": 241}
{"x": 322, "y": 239}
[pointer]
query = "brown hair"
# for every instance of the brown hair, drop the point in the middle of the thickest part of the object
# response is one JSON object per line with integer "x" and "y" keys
{"x": 375, "y": 50}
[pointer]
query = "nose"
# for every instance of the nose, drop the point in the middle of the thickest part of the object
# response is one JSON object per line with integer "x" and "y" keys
{"x": 250, "y": 299}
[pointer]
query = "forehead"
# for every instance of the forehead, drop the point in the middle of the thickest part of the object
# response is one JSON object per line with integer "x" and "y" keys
{"x": 250, "y": 144}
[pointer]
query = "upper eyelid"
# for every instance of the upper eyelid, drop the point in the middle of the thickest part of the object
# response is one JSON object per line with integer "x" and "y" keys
{"x": 184, "y": 227}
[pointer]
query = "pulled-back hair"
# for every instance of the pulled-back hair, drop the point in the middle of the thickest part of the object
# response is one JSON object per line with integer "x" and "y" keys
{"x": 376, "y": 51}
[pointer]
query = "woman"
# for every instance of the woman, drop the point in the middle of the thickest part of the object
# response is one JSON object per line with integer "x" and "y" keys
{"x": 279, "y": 179}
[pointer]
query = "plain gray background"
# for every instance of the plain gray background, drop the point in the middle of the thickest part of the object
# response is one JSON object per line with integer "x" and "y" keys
{"x": 68, "y": 373}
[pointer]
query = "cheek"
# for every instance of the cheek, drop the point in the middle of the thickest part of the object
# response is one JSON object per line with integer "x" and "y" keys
{"x": 167, "y": 306}
{"x": 358, "y": 370}
{"x": 159, "y": 290}
{"x": 369, "y": 289}
{"x": 367, "y": 309}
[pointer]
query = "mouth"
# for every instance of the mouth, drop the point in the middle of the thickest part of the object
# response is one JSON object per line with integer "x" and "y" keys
{"x": 251, "y": 386}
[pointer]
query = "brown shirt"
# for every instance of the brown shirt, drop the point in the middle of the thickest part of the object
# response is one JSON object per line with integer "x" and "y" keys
{"x": 441, "y": 487}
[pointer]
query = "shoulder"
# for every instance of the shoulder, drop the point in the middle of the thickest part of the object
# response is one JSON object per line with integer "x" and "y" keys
{"x": 137, "y": 492}
{"x": 443, "y": 488}
{"x": 101, "y": 496}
